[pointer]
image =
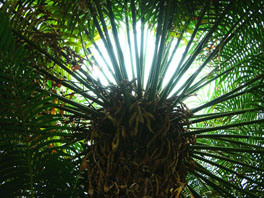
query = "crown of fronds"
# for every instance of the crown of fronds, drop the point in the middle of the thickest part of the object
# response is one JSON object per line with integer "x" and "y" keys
{"x": 135, "y": 137}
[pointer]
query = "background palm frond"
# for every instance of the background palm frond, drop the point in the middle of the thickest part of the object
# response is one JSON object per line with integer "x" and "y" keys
{"x": 35, "y": 153}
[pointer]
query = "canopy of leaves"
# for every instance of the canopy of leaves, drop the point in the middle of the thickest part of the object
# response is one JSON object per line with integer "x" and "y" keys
{"x": 136, "y": 136}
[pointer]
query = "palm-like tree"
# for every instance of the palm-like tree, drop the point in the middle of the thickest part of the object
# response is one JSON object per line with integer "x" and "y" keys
{"x": 137, "y": 137}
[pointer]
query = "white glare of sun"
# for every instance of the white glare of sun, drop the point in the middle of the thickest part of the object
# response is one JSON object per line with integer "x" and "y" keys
{"x": 149, "y": 40}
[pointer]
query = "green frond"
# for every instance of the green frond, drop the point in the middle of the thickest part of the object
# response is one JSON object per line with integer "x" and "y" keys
{"x": 28, "y": 146}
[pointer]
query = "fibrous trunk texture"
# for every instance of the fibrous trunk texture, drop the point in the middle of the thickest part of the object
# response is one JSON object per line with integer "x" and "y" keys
{"x": 137, "y": 149}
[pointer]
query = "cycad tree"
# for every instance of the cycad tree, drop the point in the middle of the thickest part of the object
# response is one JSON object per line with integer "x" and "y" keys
{"x": 137, "y": 136}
